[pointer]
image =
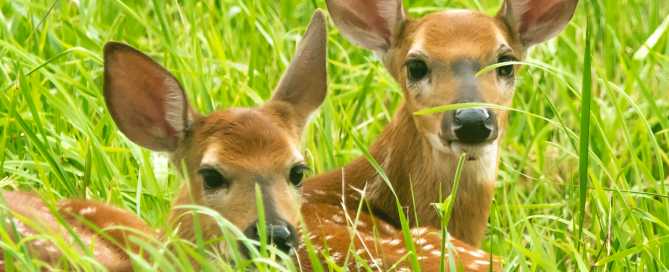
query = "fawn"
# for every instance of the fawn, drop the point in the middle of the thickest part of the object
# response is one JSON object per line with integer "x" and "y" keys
{"x": 435, "y": 60}
{"x": 224, "y": 155}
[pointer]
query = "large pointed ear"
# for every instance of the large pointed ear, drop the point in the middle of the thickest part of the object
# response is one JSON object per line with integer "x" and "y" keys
{"x": 535, "y": 21}
{"x": 373, "y": 24}
{"x": 304, "y": 84}
{"x": 146, "y": 102}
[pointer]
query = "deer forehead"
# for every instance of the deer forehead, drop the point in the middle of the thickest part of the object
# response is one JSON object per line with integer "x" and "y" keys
{"x": 456, "y": 34}
{"x": 246, "y": 139}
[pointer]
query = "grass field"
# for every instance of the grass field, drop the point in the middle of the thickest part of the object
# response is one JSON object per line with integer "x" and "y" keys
{"x": 57, "y": 138}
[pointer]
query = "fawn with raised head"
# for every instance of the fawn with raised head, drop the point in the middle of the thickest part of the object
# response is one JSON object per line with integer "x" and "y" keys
{"x": 435, "y": 59}
{"x": 224, "y": 155}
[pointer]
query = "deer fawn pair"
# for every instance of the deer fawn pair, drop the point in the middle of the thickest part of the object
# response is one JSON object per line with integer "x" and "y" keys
{"x": 228, "y": 154}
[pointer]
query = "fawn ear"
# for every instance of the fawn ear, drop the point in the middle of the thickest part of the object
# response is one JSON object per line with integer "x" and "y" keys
{"x": 535, "y": 21}
{"x": 146, "y": 102}
{"x": 373, "y": 24}
{"x": 304, "y": 84}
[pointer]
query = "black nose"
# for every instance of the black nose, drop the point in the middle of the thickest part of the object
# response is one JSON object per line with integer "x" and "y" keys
{"x": 281, "y": 235}
{"x": 474, "y": 125}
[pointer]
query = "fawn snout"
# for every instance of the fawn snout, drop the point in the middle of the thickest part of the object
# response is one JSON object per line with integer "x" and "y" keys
{"x": 279, "y": 233}
{"x": 470, "y": 126}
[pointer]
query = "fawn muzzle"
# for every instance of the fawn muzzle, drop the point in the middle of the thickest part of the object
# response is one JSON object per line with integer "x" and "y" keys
{"x": 280, "y": 234}
{"x": 470, "y": 126}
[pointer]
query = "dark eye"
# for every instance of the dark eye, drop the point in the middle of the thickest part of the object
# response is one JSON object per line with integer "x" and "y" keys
{"x": 417, "y": 69}
{"x": 213, "y": 179}
{"x": 297, "y": 174}
{"x": 506, "y": 70}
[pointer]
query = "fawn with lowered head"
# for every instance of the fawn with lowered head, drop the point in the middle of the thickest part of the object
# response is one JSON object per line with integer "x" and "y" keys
{"x": 224, "y": 155}
{"x": 435, "y": 59}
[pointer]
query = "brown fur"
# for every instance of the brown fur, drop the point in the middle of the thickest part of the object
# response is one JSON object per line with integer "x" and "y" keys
{"x": 250, "y": 143}
{"x": 249, "y": 147}
{"x": 418, "y": 161}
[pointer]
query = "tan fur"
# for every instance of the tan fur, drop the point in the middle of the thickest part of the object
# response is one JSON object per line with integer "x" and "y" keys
{"x": 409, "y": 159}
{"x": 419, "y": 162}
{"x": 250, "y": 143}
{"x": 249, "y": 146}
{"x": 344, "y": 233}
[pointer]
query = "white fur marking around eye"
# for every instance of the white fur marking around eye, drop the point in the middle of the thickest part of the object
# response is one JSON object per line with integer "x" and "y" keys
{"x": 210, "y": 155}
{"x": 298, "y": 155}
{"x": 174, "y": 105}
{"x": 418, "y": 46}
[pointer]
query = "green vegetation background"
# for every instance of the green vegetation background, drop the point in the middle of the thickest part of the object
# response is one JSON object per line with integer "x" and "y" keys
{"x": 57, "y": 138}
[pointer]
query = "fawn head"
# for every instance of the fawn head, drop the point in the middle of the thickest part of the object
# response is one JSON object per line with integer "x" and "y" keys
{"x": 436, "y": 59}
{"x": 225, "y": 154}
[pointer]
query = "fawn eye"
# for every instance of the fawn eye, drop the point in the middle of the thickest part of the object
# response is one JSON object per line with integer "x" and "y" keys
{"x": 417, "y": 69}
{"x": 506, "y": 70}
{"x": 213, "y": 179}
{"x": 297, "y": 174}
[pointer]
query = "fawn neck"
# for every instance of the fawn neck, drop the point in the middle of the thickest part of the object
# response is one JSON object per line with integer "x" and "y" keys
{"x": 420, "y": 176}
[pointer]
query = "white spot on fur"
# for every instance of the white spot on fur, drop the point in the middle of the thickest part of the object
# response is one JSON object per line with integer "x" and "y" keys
{"x": 481, "y": 262}
{"x": 435, "y": 252}
{"x": 421, "y": 241}
{"x": 337, "y": 218}
{"x": 477, "y": 253}
{"x": 87, "y": 211}
{"x": 428, "y": 247}
{"x": 419, "y": 231}
{"x": 473, "y": 266}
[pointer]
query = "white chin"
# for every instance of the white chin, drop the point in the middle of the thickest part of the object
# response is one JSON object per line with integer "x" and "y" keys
{"x": 484, "y": 151}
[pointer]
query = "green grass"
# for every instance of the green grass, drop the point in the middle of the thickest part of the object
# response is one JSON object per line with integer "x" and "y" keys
{"x": 57, "y": 138}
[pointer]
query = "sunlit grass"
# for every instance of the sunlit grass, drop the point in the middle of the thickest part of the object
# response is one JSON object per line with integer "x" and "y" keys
{"x": 56, "y": 137}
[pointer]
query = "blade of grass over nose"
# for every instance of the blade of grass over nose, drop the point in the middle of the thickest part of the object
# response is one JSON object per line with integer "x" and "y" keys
{"x": 586, "y": 99}
{"x": 262, "y": 231}
{"x": 471, "y": 105}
